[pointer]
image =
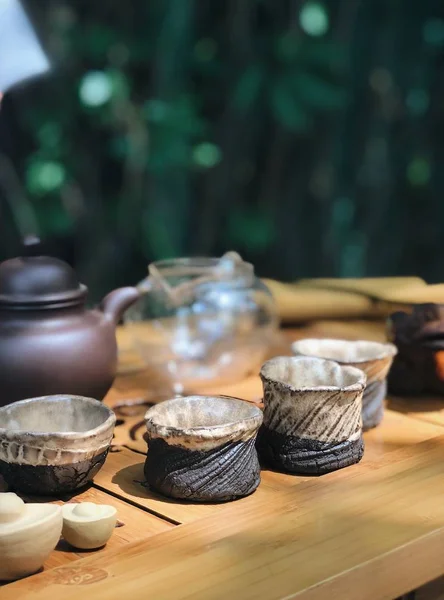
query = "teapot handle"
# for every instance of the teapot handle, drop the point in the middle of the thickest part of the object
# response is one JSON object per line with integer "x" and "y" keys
{"x": 117, "y": 301}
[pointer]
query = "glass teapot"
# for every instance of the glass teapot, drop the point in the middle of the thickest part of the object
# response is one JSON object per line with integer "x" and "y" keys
{"x": 201, "y": 321}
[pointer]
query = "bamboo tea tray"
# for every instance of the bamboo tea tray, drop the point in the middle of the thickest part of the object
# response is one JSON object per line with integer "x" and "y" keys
{"x": 374, "y": 530}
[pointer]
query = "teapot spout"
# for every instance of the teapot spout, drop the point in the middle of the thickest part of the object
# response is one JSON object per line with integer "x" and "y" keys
{"x": 117, "y": 301}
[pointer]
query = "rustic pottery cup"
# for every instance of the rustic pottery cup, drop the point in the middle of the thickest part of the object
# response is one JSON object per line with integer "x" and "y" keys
{"x": 202, "y": 448}
{"x": 374, "y": 358}
{"x": 312, "y": 415}
{"x": 53, "y": 444}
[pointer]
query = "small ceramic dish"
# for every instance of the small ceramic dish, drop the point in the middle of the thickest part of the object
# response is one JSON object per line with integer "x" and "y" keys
{"x": 312, "y": 415}
{"x": 53, "y": 444}
{"x": 87, "y": 525}
{"x": 374, "y": 358}
{"x": 202, "y": 448}
{"x": 28, "y": 534}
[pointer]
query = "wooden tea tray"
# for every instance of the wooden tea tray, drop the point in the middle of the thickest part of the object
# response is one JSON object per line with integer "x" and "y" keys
{"x": 374, "y": 530}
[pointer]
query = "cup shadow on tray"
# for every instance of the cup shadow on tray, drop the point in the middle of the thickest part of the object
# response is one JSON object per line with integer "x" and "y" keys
{"x": 63, "y": 546}
{"x": 66, "y": 497}
{"x": 131, "y": 480}
{"x": 4, "y": 582}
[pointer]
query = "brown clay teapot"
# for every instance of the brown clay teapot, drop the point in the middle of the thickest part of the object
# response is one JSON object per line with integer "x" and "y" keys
{"x": 49, "y": 342}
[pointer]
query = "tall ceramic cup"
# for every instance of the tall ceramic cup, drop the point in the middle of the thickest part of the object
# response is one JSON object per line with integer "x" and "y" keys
{"x": 202, "y": 448}
{"x": 312, "y": 415}
{"x": 374, "y": 358}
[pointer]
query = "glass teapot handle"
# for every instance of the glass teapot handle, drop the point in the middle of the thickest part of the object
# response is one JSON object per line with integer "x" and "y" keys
{"x": 147, "y": 285}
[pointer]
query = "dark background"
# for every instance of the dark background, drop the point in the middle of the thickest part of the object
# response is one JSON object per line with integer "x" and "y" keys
{"x": 307, "y": 136}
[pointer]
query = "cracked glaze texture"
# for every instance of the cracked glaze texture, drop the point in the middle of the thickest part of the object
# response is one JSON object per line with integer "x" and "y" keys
{"x": 374, "y": 358}
{"x": 53, "y": 444}
{"x": 203, "y": 448}
{"x": 312, "y": 415}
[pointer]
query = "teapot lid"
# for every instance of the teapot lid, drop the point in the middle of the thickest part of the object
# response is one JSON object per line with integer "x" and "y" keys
{"x": 35, "y": 281}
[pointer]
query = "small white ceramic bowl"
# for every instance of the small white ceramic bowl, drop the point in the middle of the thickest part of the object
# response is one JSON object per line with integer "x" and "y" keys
{"x": 87, "y": 525}
{"x": 28, "y": 534}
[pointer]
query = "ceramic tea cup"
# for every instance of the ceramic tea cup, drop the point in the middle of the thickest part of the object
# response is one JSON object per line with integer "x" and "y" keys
{"x": 202, "y": 448}
{"x": 53, "y": 444}
{"x": 374, "y": 358}
{"x": 312, "y": 415}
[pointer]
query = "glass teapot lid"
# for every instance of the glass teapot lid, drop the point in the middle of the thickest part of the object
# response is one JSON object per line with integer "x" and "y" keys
{"x": 38, "y": 281}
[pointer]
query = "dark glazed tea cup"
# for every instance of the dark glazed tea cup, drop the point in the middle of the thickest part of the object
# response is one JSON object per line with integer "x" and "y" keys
{"x": 312, "y": 415}
{"x": 202, "y": 448}
{"x": 53, "y": 444}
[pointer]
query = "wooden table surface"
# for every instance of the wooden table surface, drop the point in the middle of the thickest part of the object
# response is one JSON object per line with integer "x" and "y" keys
{"x": 374, "y": 530}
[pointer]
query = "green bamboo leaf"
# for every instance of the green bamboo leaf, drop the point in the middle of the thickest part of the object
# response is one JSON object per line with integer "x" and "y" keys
{"x": 286, "y": 108}
{"x": 94, "y": 41}
{"x": 316, "y": 92}
{"x": 167, "y": 149}
{"x": 251, "y": 228}
{"x": 206, "y": 155}
{"x": 288, "y": 47}
{"x": 185, "y": 117}
{"x": 157, "y": 239}
{"x": 248, "y": 88}
{"x": 255, "y": 231}
{"x": 324, "y": 54}
{"x": 44, "y": 176}
{"x": 52, "y": 217}
{"x": 292, "y": 48}
{"x": 180, "y": 116}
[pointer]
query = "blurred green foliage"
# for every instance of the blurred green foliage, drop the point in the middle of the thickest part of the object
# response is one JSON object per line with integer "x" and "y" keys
{"x": 294, "y": 132}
